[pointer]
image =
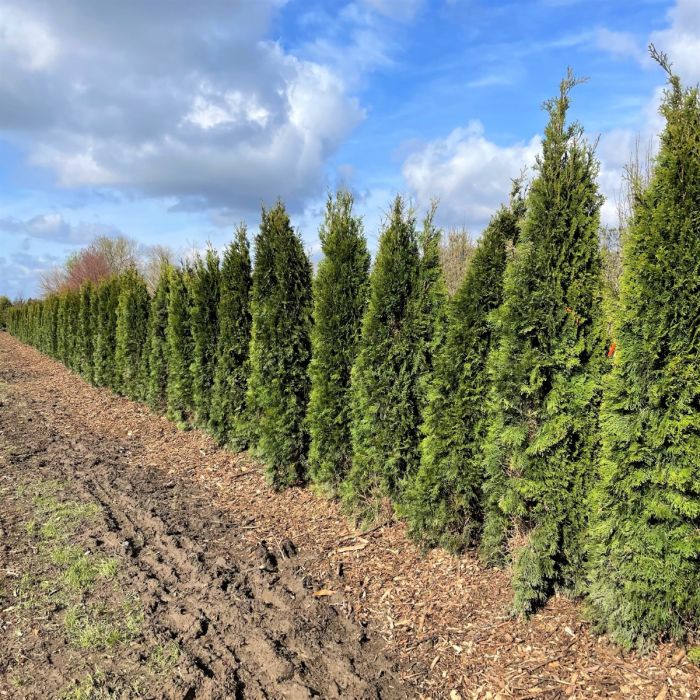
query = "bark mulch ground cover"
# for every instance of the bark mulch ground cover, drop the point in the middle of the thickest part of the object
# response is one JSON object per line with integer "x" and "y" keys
{"x": 444, "y": 620}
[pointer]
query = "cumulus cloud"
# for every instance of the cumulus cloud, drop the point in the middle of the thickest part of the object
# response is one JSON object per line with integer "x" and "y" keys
{"x": 20, "y": 272}
{"x": 617, "y": 147}
{"x": 174, "y": 99}
{"x": 469, "y": 174}
{"x": 681, "y": 40}
{"x": 53, "y": 227}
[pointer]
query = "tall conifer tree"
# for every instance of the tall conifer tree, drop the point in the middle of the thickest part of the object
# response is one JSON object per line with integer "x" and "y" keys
{"x": 280, "y": 350}
{"x": 157, "y": 343}
{"x": 443, "y": 502}
{"x": 227, "y": 421}
{"x": 132, "y": 328}
{"x": 204, "y": 290}
{"x": 428, "y": 310}
{"x": 62, "y": 338}
{"x": 94, "y": 326}
{"x": 385, "y": 410}
{"x": 106, "y": 332}
{"x": 546, "y": 371}
{"x": 646, "y": 537}
{"x": 74, "y": 329}
{"x": 340, "y": 295}
{"x": 180, "y": 348}
{"x": 86, "y": 331}
{"x": 51, "y": 324}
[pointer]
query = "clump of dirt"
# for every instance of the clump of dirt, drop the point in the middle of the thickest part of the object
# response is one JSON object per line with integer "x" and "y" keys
{"x": 116, "y": 582}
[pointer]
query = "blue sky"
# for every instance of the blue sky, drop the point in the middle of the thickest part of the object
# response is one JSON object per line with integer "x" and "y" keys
{"x": 169, "y": 121}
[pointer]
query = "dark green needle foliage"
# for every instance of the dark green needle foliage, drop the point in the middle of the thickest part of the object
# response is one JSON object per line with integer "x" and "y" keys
{"x": 385, "y": 397}
{"x": 227, "y": 420}
{"x": 85, "y": 337}
{"x": 132, "y": 330}
{"x": 546, "y": 371}
{"x": 646, "y": 538}
{"x": 75, "y": 301}
{"x": 278, "y": 390}
{"x": 429, "y": 309}
{"x": 106, "y": 332}
{"x": 5, "y": 306}
{"x": 204, "y": 286}
{"x": 51, "y": 325}
{"x": 179, "y": 347}
{"x": 340, "y": 296}
{"x": 157, "y": 343}
{"x": 443, "y": 503}
{"x": 94, "y": 327}
{"x": 63, "y": 340}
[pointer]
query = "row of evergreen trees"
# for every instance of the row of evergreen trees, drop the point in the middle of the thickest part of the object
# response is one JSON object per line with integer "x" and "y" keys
{"x": 503, "y": 418}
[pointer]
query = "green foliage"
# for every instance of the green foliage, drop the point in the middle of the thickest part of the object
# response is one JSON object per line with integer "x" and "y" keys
{"x": 84, "y": 341}
{"x": 66, "y": 327}
{"x": 63, "y": 341}
{"x": 388, "y": 381}
{"x": 132, "y": 328}
{"x": 443, "y": 503}
{"x": 157, "y": 343}
{"x": 5, "y": 305}
{"x": 340, "y": 295}
{"x": 73, "y": 328}
{"x": 280, "y": 349}
{"x": 204, "y": 294}
{"x": 477, "y": 417}
{"x": 227, "y": 421}
{"x": 646, "y": 536}
{"x": 542, "y": 437}
{"x": 429, "y": 307}
{"x": 106, "y": 332}
{"x": 180, "y": 348}
{"x": 51, "y": 326}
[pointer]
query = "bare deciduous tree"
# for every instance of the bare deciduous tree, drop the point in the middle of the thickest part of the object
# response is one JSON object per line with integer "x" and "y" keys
{"x": 153, "y": 258}
{"x": 456, "y": 250}
{"x": 100, "y": 259}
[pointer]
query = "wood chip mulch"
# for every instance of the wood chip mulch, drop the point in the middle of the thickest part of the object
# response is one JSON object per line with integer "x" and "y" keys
{"x": 444, "y": 618}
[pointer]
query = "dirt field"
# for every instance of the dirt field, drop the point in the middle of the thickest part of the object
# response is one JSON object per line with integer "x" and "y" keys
{"x": 139, "y": 561}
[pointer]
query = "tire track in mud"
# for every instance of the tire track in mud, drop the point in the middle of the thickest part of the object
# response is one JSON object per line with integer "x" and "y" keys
{"x": 246, "y": 621}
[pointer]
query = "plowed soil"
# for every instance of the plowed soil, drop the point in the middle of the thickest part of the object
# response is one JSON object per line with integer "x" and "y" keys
{"x": 245, "y": 621}
{"x": 208, "y": 584}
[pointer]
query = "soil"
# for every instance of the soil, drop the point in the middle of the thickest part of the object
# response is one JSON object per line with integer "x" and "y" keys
{"x": 250, "y": 593}
{"x": 244, "y": 620}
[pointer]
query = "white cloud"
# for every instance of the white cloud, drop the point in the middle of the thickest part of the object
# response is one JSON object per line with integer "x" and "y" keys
{"x": 617, "y": 147}
{"x": 358, "y": 37}
{"x": 183, "y": 100}
{"x": 20, "y": 272}
{"x": 469, "y": 174}
{"x": 28, "y": 41}
{"x": 54, "y": 228}
{"x": 211, "y": 109}
{"x": 682, "y": 39}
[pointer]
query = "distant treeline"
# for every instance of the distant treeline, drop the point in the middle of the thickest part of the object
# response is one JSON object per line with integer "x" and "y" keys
{"x": 540, "y": 413}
